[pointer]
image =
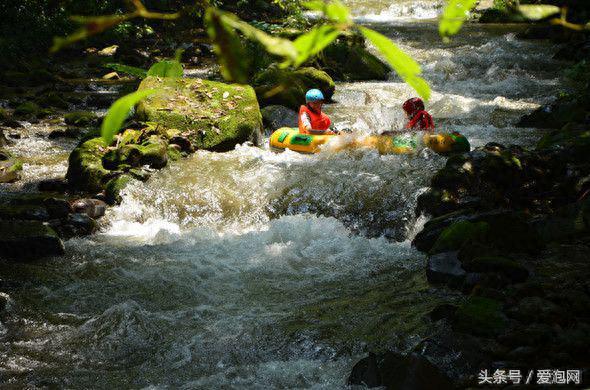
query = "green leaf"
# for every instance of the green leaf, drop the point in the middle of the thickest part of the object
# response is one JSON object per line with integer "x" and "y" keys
{"x": 313, "y": 42}
{"x": 119, "y": 112}
{"x": 166, "y": 68}
{"x": 538, "y": 12}
{"x": 453, "y": 16}
{"x": 274, "y": 45}
{"x": 132, "y": 70}
{"x": 403, "y": 64}
{"x": 332, "y": 9}
{"x": 230, "y": 53}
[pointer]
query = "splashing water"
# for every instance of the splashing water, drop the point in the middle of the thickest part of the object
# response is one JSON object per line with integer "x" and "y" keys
{"x": 261, "y": 270}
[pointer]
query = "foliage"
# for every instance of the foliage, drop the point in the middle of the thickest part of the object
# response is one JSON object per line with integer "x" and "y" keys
{"x": 132, "y": 70}
{"x": 454, "y": 14}
{"x": 166, "y": 68}
{"x": 119, "y": 112}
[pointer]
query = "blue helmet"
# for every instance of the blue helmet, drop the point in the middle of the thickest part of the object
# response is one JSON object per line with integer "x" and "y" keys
{"x": 314, "y": 95}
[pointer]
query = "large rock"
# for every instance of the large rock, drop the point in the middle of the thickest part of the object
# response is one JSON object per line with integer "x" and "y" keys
{"x": 276, "y": 86}
{"x": 10, "y": 167}
{"x": 24, "y": 240}
{"x": 445, "y": 268}
{"x": 212, "y": 115}
{"x": 274, "y": 117}
{"x": 85, "y": 168}
{"x": 480, "y": 316}
{"x": 392, "y": 370}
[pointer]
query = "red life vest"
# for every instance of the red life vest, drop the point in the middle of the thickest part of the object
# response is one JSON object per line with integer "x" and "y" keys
{"x": 421, "y": 121}
{"x": 319, "y": 121}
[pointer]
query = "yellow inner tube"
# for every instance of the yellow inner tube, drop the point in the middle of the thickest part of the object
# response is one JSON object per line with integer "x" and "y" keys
{"x": 289, "y": 138}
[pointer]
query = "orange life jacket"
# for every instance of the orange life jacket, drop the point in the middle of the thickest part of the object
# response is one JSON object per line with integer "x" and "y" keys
{"x": 319, "y": 121}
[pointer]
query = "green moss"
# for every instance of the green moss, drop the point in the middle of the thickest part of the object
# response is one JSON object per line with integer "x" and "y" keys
{"x": 114, "y": 187}
{"x": 288, "y": 88}
{"x": 480, "y": 316}
{"x": 80, "y": 118}
{"x": 198, "y": 108}
{"x": 455, "y": 235}
{"x": 52, "y": 99}
{"x": 154, "y": 152}
{"x": 27, "y": 109}
{"x": 85, "y": 169}
{"x": 173, "y": 153}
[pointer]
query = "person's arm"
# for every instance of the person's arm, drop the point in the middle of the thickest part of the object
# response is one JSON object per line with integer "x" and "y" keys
{"x": 306, "y": 121}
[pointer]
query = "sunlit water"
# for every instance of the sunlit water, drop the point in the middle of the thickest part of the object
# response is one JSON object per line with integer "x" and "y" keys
{"x": 261, "y": 270}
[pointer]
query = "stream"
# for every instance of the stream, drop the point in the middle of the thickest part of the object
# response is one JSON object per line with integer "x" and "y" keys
{"x": 251, "y": 269}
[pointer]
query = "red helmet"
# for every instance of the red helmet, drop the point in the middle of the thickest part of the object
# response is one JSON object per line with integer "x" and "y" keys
{"x": 413, "y": 105}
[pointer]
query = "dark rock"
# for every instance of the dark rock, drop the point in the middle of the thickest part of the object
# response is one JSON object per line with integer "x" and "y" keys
{"x": 392, "y": 370}
{"x": 57, "y": 208}
{"x": 274, "y": 117}
{"x": 531, "y": 335}
{"x": 522, "y": 353}
{"x": 77, "y": 225}
{"x": 85, "y": 169}
{"x": 537, "y": 309}
{"x": 27, "y": 110}
{"x": 80, "y": 118}
{"x": 183, "y": 142}
{"x": 553, "y": 116}
{"x": 114, "y": 188}
{"x": 10, "y": 167}
{"x": 445, "y": 268}
{"x": 52, "y": 99}
{"x": 25, "y": 240}
{"x": 94, "y": 208}
{"x": 455, "y": 235}
{"x": 53, "y": 185}
{"x": 506, "y": 266}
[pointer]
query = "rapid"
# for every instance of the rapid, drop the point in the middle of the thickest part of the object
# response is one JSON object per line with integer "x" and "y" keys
{"x": 250, "y": 269}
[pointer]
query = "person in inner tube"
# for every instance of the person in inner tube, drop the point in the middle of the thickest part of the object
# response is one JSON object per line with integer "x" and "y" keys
{"x": 418, "y": 118}
{"x": 311, "y": 118}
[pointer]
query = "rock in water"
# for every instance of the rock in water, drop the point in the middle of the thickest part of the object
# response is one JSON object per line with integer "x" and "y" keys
{"x": 392, "y": 370}
{"x": 28, "y": 240}
{"x": 287, "y": 88}
{"x": 275, "y": 117}
{"x": 94, "y": 208}
{"x": 445, "y": 268}
{"x": 10, "y": 167}
{"x": 212, "y": 115}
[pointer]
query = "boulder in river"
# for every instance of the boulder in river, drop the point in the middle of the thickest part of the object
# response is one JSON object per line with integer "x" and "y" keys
{"x": 10, "y": 167}
{"x": 445, "y": 268}
{"x": 393, "y": 370}
{"x": 85, "y": 169}
{"x": 24, "y": 240}
{"x": 275, "y": 116}
{"x": 94, "y": 208}
{"x": 212, "y": 115}
{"x": 287, "y": 88}
{"x": 80, "y": 118}
{"x": 480, "y": 316}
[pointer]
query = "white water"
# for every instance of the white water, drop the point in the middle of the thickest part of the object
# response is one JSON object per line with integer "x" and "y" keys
{"x": 261, "y": 270}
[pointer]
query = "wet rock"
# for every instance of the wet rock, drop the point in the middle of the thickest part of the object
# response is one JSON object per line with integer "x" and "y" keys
{"x": 52, "y": 100}
{"x": 183, "y": 142}
{"x": 553, "y": 116}
{"x": 10, "y": 167}
{"x": 57, "y": 208}
{"x": 454, "y": 236}
{"x": 94, "y": 208}
{"x": 3, "y": 140}
{"x": 124, "y": 155}
{"x": 154, "y": 152}
{"x": 53, "y": 185}
{"x": 480, "y": 316}
{"x": 287, "y": 88}
{"x": 575, "y": 340}
{"x": 77, "y": 225}
{"x": 26, "y": 240}
{"x": 80, "y": 118}
{"x": 349, "y": 60}
{"x": 506, "y": 266}
{"x": 522, "y": 353}
{"x": 174, "y": 152}
{"x": 567, "y": 222}
{"x": 114, "y": 188}
{"x": 275, "y": 116}
{"x": 212, "y": 115}
{"x": 392, "y": 370}
{"x": 85, "y": 169}
{"x": 445, "y": 268}
{"x": 529, "y": 335}
{"x": 494, "y": 15}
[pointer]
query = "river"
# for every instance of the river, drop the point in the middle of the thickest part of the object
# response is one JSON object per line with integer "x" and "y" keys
{"x": 250, "y": 269}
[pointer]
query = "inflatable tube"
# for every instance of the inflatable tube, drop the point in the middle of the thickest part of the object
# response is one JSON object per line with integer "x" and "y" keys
{"x": 288, "y": 138}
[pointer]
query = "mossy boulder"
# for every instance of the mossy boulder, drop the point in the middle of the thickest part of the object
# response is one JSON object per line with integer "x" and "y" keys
{"x": 114, "y": 187}
{"x": 27, "y": 110}
{"x": 504, "y": 265}
{"x": 480, "y": 316}
{"x": 213, "y": 115}
{"x": 154, "y": 152}
{"x": 454, "y": 236}
{"x": 287, "y": 88}
{"x": 85, "y": 168}
{"x": 349, "y": 60}
{"x": 25, "y": 240}
{"x": 10, "y": 167}
{"x": 80, "y": 118}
